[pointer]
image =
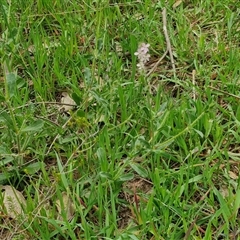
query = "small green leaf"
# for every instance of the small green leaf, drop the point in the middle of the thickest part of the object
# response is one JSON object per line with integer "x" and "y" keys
{"x": 140, "y": 170}
{"x": 146, "y": 110}
{"x": 106, "y": 175}
{"x": 81, "y": 113}
{"x": 33, "y": 167}
{"x": 5, "y": 176}
{"x": 126, "y": 177}
{"x": 7, "y": 160}
{"x": 87, "y": 75}
{"x": 5, "y": 117}
{"x": 21, "y": 82}
{"x": 2, "y": 98}
{"x": 163, "y": 107}
{"x": 192, "y": 180}
{"x": 34, "y": 127}
{"x": 3, "y": 150}
{"x": 76, "y": 98}
{"x": 61, "y": 172}
{"x": 133, "y": 237}
{"x": 159, "y": 146}
{"x": 141, "y": 143}
{"x": 236, "y": 205}
{"x": 11, "y": 81}
{"x": 67, "y": 139}
{"x": 13, "y": 33}
{"x": 225, "y": 208}
{"x": 199, "y": 133}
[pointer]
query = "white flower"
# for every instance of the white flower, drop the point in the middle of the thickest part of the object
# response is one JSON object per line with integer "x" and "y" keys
{"x": 142, "y": 55}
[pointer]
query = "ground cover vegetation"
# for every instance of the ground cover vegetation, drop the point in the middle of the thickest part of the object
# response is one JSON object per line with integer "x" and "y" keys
{"x": 101, "y": 139}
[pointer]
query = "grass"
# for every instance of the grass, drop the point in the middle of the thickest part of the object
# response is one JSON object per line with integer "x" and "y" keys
{"x": 138, "y": 157}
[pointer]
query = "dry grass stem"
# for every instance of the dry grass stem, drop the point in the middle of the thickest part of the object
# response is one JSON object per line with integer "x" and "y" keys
{"x": 169, "y": 47}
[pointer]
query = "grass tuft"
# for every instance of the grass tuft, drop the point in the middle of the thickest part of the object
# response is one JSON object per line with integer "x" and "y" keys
{"x": 100, "y": 150}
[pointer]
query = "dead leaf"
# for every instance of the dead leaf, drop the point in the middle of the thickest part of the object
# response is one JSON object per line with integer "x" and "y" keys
{"x": 70, "y": 104}
{"x": 13, "y": 201}
{"x": 224, "y": 191}
{"x": 177, "y": 3}
{"x": 48, "y": 46}
{"x": 31, "y": 49}
{"x": 214, "y": 75}
{"x": 66, "y": 206}
{"x": 118, "y": 48}
{"x": 232, "y": 175}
